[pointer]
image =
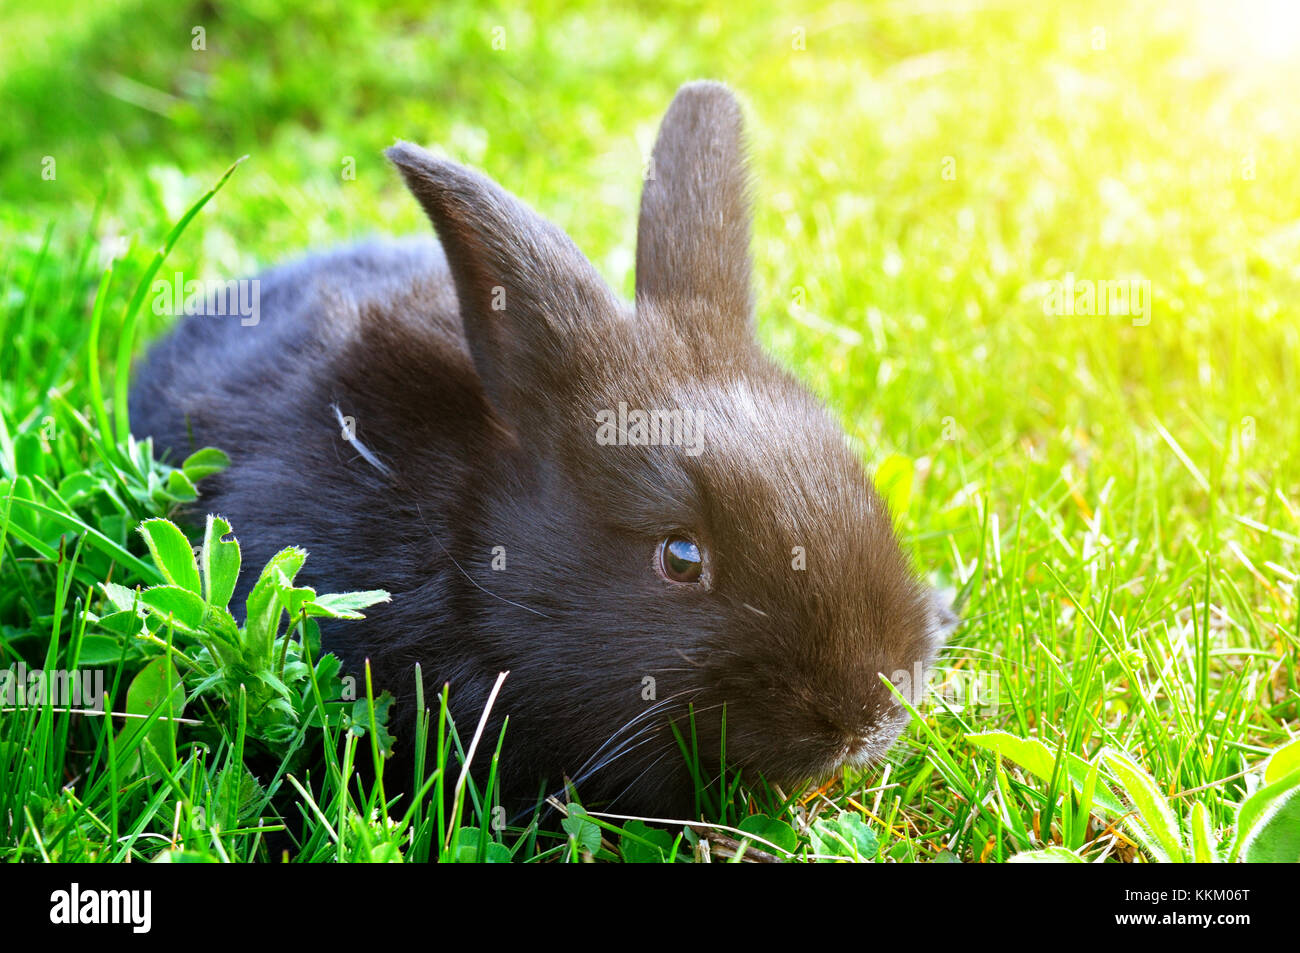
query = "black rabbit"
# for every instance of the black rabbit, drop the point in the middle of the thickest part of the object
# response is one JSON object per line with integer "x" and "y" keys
{"x": 629, "y": 508}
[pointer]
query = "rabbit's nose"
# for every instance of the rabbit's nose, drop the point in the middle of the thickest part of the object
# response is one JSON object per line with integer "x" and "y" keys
{"x": 849, "y": 734}
{"x": 855, "y": 745}
{"x": 869, "y": 731}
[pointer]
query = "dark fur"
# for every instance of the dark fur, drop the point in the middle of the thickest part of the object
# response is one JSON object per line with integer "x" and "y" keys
{"x": 486, "y": 420}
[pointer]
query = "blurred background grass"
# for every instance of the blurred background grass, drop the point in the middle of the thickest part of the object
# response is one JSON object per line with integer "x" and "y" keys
{"x": 922, "y": 169}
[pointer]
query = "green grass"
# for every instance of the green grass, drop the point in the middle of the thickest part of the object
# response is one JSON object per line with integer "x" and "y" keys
{"x": 1120, "y": 500}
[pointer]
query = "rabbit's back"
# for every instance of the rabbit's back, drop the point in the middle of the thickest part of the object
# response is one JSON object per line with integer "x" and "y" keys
{"x": 351, "y": 374}
{"x": 305, "y": 314}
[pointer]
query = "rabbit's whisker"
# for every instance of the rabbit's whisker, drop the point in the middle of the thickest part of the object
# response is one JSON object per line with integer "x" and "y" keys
{"x": 473, "y": 581}
{"x": 636, "y": 741}
{"x": 642, "y": 715}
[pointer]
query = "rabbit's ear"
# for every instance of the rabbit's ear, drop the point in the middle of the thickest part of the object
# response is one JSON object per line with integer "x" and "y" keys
{"x": 528, "y": 297}
{"x": 692, "y": 242}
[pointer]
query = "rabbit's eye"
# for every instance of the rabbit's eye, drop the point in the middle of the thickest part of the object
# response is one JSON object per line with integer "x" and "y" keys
{"x": 679, "y": 560}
